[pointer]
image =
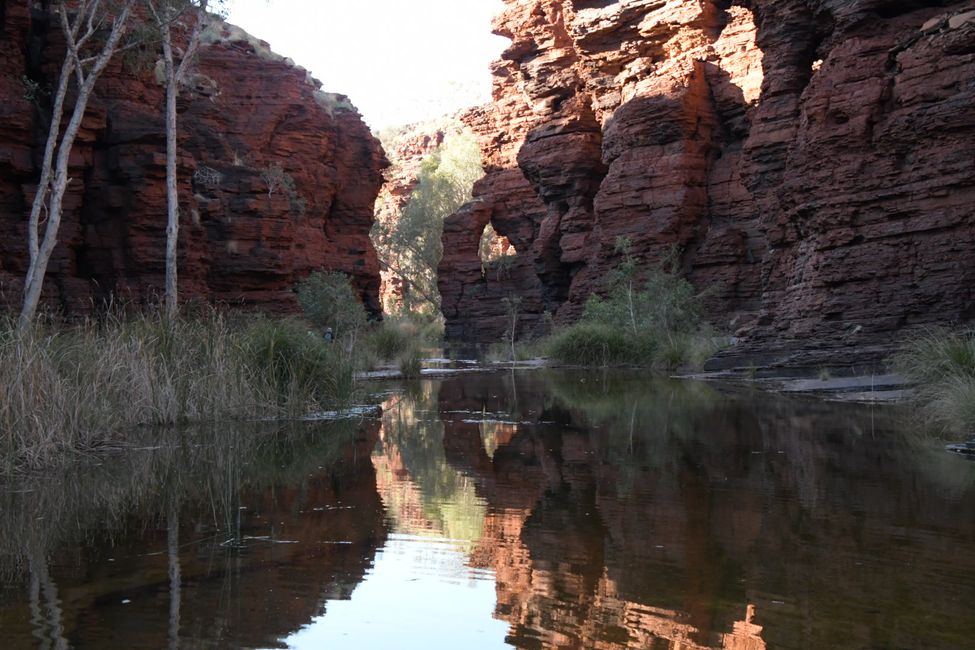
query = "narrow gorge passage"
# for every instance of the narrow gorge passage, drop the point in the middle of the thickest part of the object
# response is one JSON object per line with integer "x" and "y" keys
{"x": 533, "y": 324}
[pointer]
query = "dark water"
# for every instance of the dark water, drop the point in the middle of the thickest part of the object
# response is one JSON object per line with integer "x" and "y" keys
{"x": 529, "y": 510}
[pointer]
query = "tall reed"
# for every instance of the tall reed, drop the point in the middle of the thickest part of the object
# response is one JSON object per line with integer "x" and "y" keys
{"x": 73, "y": 389}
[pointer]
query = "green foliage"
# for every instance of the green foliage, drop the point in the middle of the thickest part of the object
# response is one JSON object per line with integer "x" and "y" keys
{"x": 597, "y": 344}
{"x": 659, "y": 299}
{"x": 328, "y": 300}
{"x": 649, "y": 318}
{"x": 33, "y": 90}
{"x": 943, "y": 365}
{"x": 410, "y": 245}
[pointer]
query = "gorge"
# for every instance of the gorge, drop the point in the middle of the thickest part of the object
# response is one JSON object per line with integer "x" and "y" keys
{"x": 809, "y": 160}
{"x": 323, "y": 450}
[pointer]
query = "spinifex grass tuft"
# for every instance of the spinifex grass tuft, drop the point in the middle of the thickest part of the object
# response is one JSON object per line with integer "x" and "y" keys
{"x": 411, "y": 362}
{"x": 943, "y": 365}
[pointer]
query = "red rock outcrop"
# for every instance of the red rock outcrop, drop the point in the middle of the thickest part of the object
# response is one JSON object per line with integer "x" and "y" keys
{"x": 276, "y": 177}
{"x": 811, "y": 159}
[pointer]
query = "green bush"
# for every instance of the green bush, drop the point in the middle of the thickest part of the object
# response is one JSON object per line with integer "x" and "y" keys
{"x": 598, "y": 344}
{"x": 328, "y": 300}
{"x": 648, "y": 318}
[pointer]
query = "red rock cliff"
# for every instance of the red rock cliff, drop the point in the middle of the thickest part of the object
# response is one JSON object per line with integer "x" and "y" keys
{"x": 276, "y": 177}
{"x": 811, "y": 158}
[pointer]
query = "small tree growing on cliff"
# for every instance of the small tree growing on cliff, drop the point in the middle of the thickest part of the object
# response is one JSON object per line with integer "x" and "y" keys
{"x": 167, "y": 14}
{"x": 92, "y": 30}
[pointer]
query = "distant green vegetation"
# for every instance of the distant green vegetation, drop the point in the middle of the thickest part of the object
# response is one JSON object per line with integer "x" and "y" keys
{"x": 409, "y": 243}
{"x": 943, "y": 365}
{"x": 646, "y": 318}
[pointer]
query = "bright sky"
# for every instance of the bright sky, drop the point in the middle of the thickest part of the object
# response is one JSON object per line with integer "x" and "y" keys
{"x": 399, "y": 61}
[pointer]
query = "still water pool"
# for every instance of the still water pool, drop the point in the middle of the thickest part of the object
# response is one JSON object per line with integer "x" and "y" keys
{"x": 530, "y": 509}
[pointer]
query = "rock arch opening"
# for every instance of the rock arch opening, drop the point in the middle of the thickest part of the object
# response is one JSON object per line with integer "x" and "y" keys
{"x": 496, "y": 251}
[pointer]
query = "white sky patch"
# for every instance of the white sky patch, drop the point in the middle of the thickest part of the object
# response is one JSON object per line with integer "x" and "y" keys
{"x": 399, "y": 61}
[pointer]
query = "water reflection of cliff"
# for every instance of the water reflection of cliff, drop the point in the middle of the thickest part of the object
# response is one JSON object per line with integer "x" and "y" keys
{"x": 268, "y": 525}
{"x": 612, "y": 512}
{"x": 621, "y": 515}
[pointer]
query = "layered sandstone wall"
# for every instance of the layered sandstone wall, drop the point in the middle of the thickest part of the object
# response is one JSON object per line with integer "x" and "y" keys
{"x": 277, "y": 178}
{"x": 811, "y": 159}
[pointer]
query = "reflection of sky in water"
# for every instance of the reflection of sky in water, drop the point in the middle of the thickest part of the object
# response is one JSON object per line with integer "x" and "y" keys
{"x": 420, "y": 591}
{"x": 651, "y": 515}
{"x": 419, "y": 594}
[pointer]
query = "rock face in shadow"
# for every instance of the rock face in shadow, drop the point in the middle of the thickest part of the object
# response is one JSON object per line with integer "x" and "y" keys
{"x": 276, "y": 177}
{"x": 810, "y": 160}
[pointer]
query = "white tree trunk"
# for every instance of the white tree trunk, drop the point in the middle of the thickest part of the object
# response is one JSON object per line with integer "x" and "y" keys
{"x": 44, "y": 185}
{"x": 86, "y": 84}
{"x": 174, "y": 76}
{"x": 172, "y": 197}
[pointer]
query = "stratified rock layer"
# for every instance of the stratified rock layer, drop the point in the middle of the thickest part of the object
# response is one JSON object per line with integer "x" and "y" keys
{"x": 276, "y": 177}
{"x": 811, "y": 160}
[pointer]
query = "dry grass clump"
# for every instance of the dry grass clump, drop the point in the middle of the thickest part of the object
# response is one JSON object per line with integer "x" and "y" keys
{"x": 74, "y": 389}
{"x": 942, "y": 363}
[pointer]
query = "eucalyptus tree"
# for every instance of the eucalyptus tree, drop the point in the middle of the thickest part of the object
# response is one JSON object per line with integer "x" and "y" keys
{"x": 410, "y": 246}
{"x": 92, "y": 31}
{"x": 167, "y": 15}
